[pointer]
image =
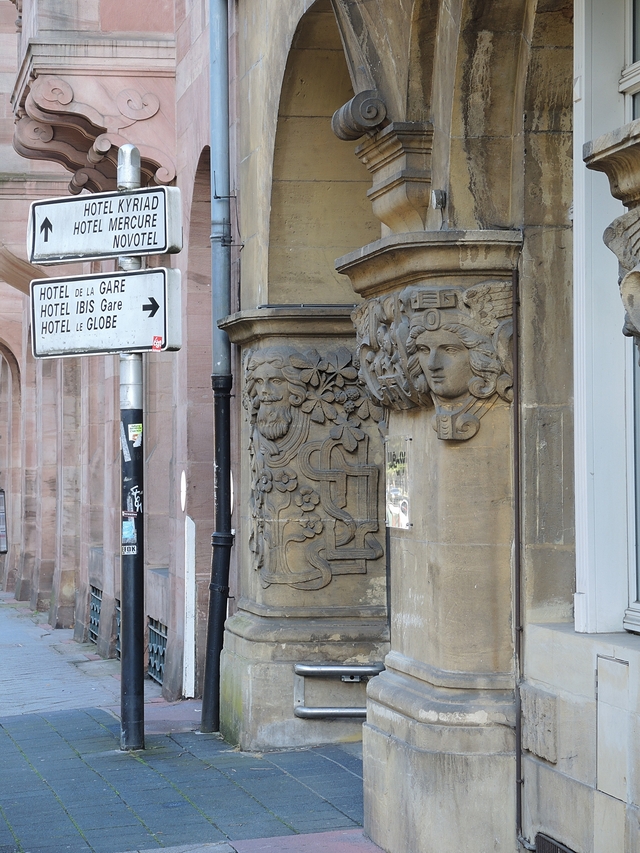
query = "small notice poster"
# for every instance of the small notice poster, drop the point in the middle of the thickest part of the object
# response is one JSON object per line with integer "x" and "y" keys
{"x": 397, "y": 470}
{"x": 3, "y": 523}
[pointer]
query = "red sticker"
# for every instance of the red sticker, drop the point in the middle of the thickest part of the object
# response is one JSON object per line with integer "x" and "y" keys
{"x": 157, "y": 343}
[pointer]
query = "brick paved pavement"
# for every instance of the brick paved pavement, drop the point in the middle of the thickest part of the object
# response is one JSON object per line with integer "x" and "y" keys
{"x": 66, "y": 787}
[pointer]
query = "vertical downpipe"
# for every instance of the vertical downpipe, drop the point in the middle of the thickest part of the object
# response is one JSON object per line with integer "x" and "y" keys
{"x": 517, "y": 569}
{"x": 221, "y": 379}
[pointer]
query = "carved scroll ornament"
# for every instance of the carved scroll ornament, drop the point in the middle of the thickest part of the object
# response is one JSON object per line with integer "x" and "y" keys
{"x": 82, "y": 126}
{"x": 314, "y": 486}
{"x": 439, "y": 345}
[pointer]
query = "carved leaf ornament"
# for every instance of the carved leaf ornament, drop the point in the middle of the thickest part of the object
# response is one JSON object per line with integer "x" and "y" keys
{"x": 438, "y": 345}
{"x": 314, "y": 487}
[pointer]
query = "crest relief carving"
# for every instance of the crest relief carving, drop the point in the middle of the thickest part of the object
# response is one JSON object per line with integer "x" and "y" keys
{"x": 314, "y": 504}
{"x": 439, "y": 345}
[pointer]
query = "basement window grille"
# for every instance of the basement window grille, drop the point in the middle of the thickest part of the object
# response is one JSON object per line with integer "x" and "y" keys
{"x": 95, "y": 603}
{"x": 544, "y": 844}
{"x": 157, "y": 649}
{"x": 118, "y": 623}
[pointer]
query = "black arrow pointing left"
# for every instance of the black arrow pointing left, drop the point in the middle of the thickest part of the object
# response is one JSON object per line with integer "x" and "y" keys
{"x": 151, "y": 306}
{"x": 47, "y": 227}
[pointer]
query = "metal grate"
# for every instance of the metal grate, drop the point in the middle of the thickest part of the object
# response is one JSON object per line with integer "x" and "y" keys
{"x": 544, "y": 844}
{"x": 157, "y": 649}
{"x": 118, "y": 623}
{"x": 95, "y": 603}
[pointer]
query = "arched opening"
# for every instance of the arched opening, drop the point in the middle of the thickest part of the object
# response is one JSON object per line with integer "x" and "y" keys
{"x": 199, "y": 419}
{"x": 10, "y": 467}
{"x": 319, "y": 204}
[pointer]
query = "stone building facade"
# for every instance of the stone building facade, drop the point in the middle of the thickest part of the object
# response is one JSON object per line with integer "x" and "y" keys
{"x": 435, "y": 417}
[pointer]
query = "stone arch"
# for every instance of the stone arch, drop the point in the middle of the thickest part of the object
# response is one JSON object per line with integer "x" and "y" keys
{"x": 198, "y": 417}
{"x": 319, "y": 207}
{"x": 508, "y": 86}
{"x": 10, "y": 462}
{"x": 486, "y": 122}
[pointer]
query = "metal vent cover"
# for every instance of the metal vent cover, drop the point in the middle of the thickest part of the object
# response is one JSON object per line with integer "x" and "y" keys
{"x": 95, "y": 605}
{"x": 157, "y": 650}
{"x": 544, "y": 844}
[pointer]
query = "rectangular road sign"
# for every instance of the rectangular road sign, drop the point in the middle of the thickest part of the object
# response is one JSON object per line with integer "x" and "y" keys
{"x": 105, "y": 225}
{"x": 107, "y": 312}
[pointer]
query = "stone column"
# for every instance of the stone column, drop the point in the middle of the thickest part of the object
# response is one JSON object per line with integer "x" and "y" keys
{"x": 47, "y": 398}
{"x": 310, "y": 534}
{"x": 434, "y": 345}
{"x": 66, "y": 571}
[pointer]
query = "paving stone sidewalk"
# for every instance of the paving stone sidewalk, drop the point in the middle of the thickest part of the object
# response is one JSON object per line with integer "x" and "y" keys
{"x": 66, "y": 787}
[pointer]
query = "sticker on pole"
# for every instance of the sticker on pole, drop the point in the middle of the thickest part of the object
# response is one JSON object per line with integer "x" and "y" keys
{"x": 135, "y": 311}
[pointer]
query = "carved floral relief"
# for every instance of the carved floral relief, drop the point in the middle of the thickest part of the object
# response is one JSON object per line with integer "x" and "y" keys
{"x": 314, "y": 483}
{"x": 440, "y": 345}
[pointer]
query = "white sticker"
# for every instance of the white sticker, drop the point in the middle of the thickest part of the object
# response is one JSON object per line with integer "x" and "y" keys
{"x": 123, "y": 444}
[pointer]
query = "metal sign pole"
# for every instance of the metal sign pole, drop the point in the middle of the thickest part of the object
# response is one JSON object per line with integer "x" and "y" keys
{"x": 132, "y": 550}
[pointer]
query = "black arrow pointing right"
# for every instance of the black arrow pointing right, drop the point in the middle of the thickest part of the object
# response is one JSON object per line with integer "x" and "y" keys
{"x": 151, "y": 306}
{"x": 46, "y": 227}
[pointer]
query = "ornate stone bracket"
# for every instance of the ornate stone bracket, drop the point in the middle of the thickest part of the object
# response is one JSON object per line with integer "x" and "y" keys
{"x": 80, "y": 121}
{"x": 617, "y": 154}
{"x": 398, "y": 155}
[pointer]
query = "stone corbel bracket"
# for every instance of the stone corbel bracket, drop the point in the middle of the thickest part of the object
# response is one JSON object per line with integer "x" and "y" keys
{"x": 399, "y": 158}
{"x": 398, "y": 155}
{"x": 617, "y": 154}
{"x": 80, "y": 121}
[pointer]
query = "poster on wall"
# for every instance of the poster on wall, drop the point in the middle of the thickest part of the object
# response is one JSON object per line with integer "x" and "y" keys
{"x": 3, "y": 523}
{"x": 397, "y": 471}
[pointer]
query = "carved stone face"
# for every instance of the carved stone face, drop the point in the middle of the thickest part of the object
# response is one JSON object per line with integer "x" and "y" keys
{"x": 270, "y": 391}
{"x": 444, "y": 360}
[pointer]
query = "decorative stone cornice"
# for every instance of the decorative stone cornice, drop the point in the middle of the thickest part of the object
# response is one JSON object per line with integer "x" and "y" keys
{"x": 283, "y": 322}
{"x": 617, "y": 154}
{"x": 401, "y": 259}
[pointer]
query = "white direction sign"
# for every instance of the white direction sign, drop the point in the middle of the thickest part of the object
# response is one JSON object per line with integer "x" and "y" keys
{"x": 105, "y": 225}
{"x": 114, "y": 312}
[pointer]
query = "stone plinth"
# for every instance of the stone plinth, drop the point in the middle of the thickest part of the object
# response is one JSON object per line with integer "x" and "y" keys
{"x": 434, "y": 346}
{"x": 312, "y": 580}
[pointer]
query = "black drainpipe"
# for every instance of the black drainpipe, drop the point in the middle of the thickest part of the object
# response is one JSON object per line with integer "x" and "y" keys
{"x": 221, "y": 378}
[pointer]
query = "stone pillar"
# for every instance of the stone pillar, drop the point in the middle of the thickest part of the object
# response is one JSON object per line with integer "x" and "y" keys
{"x": 28, "y": 483}
{"x": 310, "y": 534}
{"x": 68, "y": 506}
{"x": 434, "y": 345}
{"x": 47, "y": 397}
